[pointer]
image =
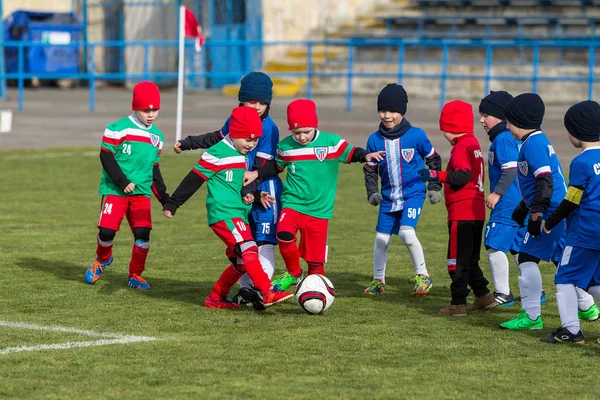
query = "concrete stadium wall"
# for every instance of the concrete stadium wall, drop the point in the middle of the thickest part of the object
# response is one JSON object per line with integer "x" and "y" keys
{"x": 37, "y": 5}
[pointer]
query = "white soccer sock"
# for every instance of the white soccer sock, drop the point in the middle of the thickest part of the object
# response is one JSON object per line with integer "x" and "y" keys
{"x": 566, "y": 298}
{"x": 409, "y": 237}
{"x": 266, "y": 255}
{"x": 584, "y": 299}
{"x": 530, "y": 286}
{"x": 499, "y": 269}
{"x": 380, "y": 255}
{"x": 595, "y": 291}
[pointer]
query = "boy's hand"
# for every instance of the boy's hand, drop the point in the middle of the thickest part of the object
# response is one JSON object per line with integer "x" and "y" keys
{"x": 434, "y": 196}
{"x": 177, "y": 147}
{"x": 519, "y": 215}
{"x": 375, "y": 199}
{"x": 535, "y": 226}
{"x": 376, "y": 155}
{"x": 248, "y": 199}
{"x": 249, "y": 177}
{"x": 167, "y": 214}
{"x": 544, "y": 227}
{"x": 266, "y": 199}
{"x": 428, "y": 175}
{"x": 129, "y": 188}
{"x": 492, "y": 200}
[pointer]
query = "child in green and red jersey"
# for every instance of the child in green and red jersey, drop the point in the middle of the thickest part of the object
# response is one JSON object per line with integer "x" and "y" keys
{"x": 223, "y": 166}
{"x": 312, "y": 159}
{"x": 130, "y": 154}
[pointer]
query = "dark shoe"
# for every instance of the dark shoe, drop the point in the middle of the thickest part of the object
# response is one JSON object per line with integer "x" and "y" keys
{"x": 483, "y": 303}
{"x": 562, "y": 335}
{"x": 239, "y": 300}
{"x": 504, "y": 300}
{"x": 455, "y": 310}
{"x": 254, "y": 297}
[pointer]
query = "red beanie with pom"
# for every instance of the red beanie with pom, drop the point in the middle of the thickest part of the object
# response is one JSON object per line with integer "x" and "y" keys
{"x": 245, "y": 123}
{"x": 146, "y": 96}
{"x": 457, "y": 117}
{"x": 302, "y": 114}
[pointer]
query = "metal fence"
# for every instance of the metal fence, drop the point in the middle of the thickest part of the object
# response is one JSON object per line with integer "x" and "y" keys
{"x": 346, "y": 65}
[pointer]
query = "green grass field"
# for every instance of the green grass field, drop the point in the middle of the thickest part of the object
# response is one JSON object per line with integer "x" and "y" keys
{"x": 395, "y": 346}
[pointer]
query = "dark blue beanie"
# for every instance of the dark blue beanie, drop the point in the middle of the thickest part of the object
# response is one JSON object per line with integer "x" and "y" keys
{"x": 526, "y": 111}
{"x": 494, "y": 103}
{"x": 583, "y": 121}
{"x": 256, "y": 86}
{"x": 392, "y": 98}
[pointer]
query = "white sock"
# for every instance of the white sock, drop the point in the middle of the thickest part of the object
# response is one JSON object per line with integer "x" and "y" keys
{"x": 530, "y": 286}
{"x": 380, "y": 255}
{"x": 595, "y": 291}
{"x": 409, "y": 237}
{"x": 566, "y": 298}
{"x": 584, "y": 299}
{"x": 266, "y": 255}
{"x": 516, "y": 259}
{"x": 499, "y": 269}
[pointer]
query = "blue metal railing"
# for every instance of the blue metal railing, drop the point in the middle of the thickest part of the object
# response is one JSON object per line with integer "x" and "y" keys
{"x": 349, "y": 47}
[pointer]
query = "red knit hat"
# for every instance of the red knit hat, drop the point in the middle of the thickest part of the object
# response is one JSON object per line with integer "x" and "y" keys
{"x": 302, "y": 114}
{"x": 146, "y": 96}
{"x": 457, "y": 117}
{"x": 245, "y": 123}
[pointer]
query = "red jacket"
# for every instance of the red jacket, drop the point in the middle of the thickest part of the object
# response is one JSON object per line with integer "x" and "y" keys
{"x": 464, "y": 198}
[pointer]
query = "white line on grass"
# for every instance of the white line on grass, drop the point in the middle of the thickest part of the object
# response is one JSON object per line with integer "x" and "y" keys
{"x": 110, "y": 338}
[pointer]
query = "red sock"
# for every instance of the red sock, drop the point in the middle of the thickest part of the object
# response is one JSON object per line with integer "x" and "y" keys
{"x": 291, "y": 257}
{"x": 225, "y": 282}
{"x": 103, "y": 251}
{"x": 138, "y": 259}
{"x": 255, "y": 270}
{"x": 316, "y": 268}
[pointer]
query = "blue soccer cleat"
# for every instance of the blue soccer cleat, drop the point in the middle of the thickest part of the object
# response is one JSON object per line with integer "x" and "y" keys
{"x": 137, "y": 282}
{"x": 96, "y": 269}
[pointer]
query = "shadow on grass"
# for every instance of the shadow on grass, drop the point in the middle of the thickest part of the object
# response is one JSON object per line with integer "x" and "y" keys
{"x": 114, "y": 281}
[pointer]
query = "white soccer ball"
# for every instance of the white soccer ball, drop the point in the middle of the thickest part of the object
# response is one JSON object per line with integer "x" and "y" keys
{"x": 315, "y": 294}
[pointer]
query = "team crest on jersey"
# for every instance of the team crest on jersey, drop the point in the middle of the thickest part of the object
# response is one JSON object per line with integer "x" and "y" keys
{"x": 155, "y": 139}
{"x": 321, "y": 153}
{"x": 491, "y": 157}
{"x": 523, "y": 167}
{"x": 408, "y": 154}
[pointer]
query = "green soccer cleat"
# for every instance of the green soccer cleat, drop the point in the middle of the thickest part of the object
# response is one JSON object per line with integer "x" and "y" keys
{"x": 522, "y": 322}
{"x": 285, "y": 280}
{"x": 423, "y": 284}
{"x": 375, "y": 288}
{"x": 590, "y": 315}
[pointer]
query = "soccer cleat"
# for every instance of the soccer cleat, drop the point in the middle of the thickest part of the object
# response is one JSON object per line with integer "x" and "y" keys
{"x": 239, "y": 300}
{"x": 483, "y": 303}
{"x": 543, "y": 298}
{"x": 590, "y": 315}
{"x": 375, "y": 288}
{"x": 504, "y": 300}
{"x": 423, "y": 284}
{"x": 96, "y": 269}
{"x": 222, "y": 303}
{"x": 137, "y": 282}
{"x": 522, "y": 322}
{"x": 285, "y": 280}
{"x": 562, "y": 335}
{"x": 253, "y": 297}
{"x": 275, "y": 295}
{"x": 455, "y": 310}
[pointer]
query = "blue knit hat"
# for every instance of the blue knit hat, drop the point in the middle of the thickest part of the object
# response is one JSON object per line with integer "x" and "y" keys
{"x": 256, "y": 86}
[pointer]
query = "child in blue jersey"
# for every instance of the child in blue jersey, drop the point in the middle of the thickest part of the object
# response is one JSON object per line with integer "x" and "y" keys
{"x": 256, "y": 90}
{"x": 580, "y": 263}
{"x": 542, "y": 186}
{"x": 400, "y": 201}
{"x": 502, "y": 234}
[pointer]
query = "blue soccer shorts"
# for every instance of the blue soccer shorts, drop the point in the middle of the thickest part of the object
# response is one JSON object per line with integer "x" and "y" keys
{"x": 543, "y": 247}
{"x": 263, "y": 221}
{"x": 503, "y": 237}
{"x": 579, "y": 266}
{"x": 390, "y": 222}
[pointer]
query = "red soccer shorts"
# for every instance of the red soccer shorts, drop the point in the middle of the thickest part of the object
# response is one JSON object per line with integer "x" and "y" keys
{"x": 313, "y": 233}
{"x": 135, "y": 208}
{"x": 233, "y": 232}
